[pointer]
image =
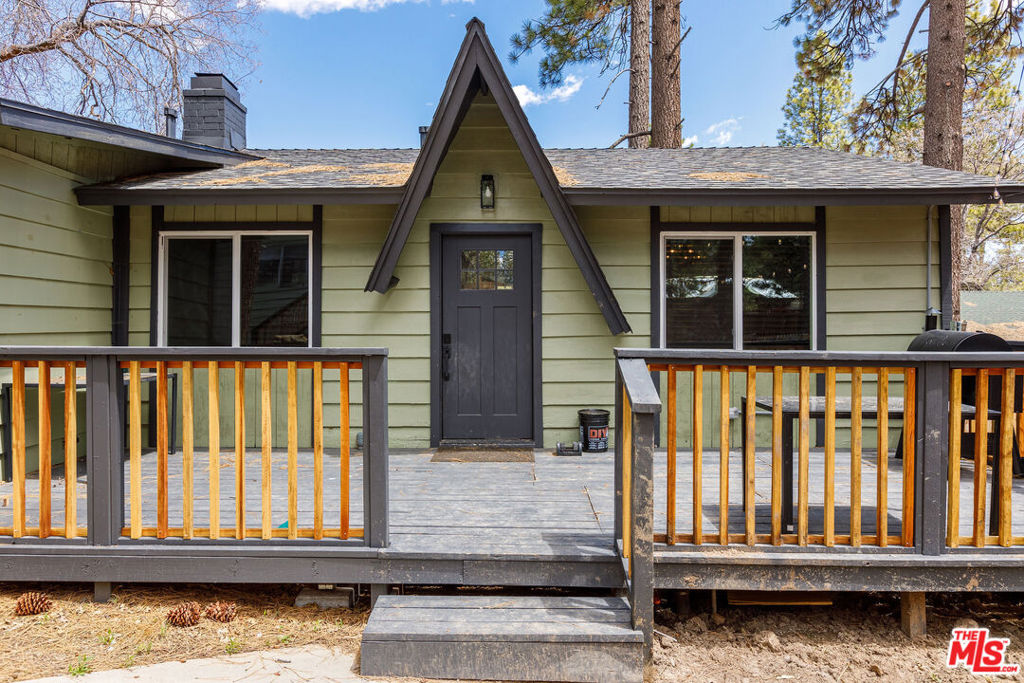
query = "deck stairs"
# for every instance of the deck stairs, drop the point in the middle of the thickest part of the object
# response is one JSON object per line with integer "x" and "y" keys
{"x": 508, "y": 638}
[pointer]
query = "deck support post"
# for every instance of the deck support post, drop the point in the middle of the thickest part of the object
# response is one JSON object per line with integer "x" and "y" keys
{"x": 104, "y": 450}
{"x": 933, "y": 445}
{"x": 641, "y": 585}
{"x": 375, "y": 451}
{"x": 913, "y": 621}
{"x": 377, "y": 590}
{"x": 101, "y": 591}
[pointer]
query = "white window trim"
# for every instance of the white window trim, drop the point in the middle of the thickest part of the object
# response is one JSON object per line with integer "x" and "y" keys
{"x": 737, "y": 282}
{"x": 236, "y": 275}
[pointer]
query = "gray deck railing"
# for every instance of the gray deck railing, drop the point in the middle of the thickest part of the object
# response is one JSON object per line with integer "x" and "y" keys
{"x": 890, "y": 452}
{"x": 131, "y": 497}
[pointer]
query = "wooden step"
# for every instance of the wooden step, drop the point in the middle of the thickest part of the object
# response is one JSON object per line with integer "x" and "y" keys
{"x": 502, "y": 638}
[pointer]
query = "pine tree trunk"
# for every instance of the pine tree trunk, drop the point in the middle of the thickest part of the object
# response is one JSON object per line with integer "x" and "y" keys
{"x": 943, "y": 110}
{"x": 666, "y": 114}
{"x": 639, "y": 71}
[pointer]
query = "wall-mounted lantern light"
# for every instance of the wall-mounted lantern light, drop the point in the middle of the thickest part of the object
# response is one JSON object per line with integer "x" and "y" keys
{"x": 487, "y": 192}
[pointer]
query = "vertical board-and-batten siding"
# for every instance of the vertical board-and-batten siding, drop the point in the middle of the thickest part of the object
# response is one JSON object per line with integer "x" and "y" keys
{"x": 55, "y": 279}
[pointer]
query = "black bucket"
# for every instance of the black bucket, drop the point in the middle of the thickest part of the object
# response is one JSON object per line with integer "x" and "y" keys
{"x": 594, "y": 430}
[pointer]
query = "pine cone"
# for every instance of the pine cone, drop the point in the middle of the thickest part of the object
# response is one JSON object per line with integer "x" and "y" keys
{"x": 221, "y": 611}
{"x": 184, "y": 615}
{"x": 32, "y": 603}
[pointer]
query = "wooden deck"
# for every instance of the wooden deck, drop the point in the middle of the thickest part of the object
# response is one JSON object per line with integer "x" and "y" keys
{"x": 555, "y": 507}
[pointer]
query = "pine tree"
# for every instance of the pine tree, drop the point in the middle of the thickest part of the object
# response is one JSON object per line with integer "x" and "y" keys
{"x": 817, "y": 110}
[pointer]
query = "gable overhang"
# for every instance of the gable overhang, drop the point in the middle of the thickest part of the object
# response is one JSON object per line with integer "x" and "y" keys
{"x": 23, "y": 116}
{"x": 477, "y": 68}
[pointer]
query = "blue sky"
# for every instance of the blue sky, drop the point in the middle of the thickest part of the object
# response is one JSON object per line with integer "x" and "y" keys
{"x": 332, "y": 74}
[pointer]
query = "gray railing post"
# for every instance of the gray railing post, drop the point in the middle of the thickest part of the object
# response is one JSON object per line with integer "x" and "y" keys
{"x": 641, "y": 586}
{"x": 618, "y": 458}
{"x": 933, "y": 461}
{"x": 375, "y": 451}
{"x": 104, "y": 449}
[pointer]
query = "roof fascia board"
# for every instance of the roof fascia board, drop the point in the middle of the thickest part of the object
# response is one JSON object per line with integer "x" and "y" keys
{"x": 736, "y": 197}
{"x": 103, "y": 196}
{"x": 40, "y": 120}
{"x": 477, "y": 56}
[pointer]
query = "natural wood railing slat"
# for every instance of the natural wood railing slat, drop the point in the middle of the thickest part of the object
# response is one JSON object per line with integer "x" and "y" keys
{"x": 70, "y": 450}
{"x": 882, "y": 468}
{"x": 1006, "y": 459}
{"x": 293, "y": 452}
{"x": 909, "y": 453}
{"x": 776, "y": 519}
{"x": 803, "y": 465}
{"x": 723, "y": 455}
{"x": 213, "y": 406}
{"x": 239, "y": 450}
{"x": 187, "y": 448}
{"x": 856, "y": 446}
{"x": 955, "y": 436}
{"x": 18, "y": 446}
{"x": 698, "y": 454}
{"x": 670, "y": 457}
{"x": 45, "y": 450}
{"x": 266, "y": 444}
{"x": 344, "y": 428}
{"x": 161, "y": 450}
{"x": 980, "y": 455}
{"x": 318, "y": 451}
{"x": 135, "y": 448}
{"x": 748, "y": 455}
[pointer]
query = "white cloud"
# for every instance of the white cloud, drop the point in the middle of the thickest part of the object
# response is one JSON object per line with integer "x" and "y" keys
{"x": 721, "y": 133}
{"x": 690, "y": 141}
{"x": 562, "y": 93}
{"x": 306, "y": 8}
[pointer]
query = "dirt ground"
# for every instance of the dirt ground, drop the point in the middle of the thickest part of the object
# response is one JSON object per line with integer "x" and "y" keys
{"x": 130, "y": 630}
{"x": 858, "y": 638}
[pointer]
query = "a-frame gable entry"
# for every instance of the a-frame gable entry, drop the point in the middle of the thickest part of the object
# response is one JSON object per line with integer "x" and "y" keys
{"x": 477, "y": 68}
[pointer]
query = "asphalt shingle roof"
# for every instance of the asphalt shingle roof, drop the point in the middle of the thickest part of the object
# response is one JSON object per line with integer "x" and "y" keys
{"x": 765, "y": 169}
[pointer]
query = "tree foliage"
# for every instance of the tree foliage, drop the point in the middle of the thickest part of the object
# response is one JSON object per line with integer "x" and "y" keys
{"x": 119, "y": 60}
{"x": 817, "y": 108}
{"x": 576, "y": 32}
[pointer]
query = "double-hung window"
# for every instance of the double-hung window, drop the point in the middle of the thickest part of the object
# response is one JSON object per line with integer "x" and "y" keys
{"x": 235, "y": 288}
{"x": 738, "y": 290}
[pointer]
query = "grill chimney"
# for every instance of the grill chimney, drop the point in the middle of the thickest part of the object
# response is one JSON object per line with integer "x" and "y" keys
{"x": 171, "y": 122}
{"x": 424, "y": 131}
{"x": 214, "y": 114}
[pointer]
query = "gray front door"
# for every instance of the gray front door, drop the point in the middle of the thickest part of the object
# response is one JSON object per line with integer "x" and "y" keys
{"x": 486, "y": 338}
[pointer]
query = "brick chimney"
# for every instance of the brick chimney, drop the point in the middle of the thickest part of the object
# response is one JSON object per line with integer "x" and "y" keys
{"x": 213, "y": 113}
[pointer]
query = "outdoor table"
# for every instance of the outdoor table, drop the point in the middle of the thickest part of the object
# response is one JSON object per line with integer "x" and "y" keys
{"x": 844, "y": 410}
{"x": 80, "y": 385}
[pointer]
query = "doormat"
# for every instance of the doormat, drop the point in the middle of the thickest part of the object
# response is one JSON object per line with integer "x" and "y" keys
{"x": 518, "y": 455}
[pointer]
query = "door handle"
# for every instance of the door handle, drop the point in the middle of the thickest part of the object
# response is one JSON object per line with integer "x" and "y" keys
{"x": 446, "y": 354}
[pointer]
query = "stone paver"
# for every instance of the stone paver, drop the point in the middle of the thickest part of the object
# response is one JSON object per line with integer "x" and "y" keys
{"x": 307, "y": 664}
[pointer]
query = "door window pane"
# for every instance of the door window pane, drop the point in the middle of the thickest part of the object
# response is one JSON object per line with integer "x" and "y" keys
{"x": 698, "y": 293}
{"x": 199, "y": 292}
{"x": 274, "y": 291}
{"x": 487, "y": 269}
{"x": 776, "y": 292}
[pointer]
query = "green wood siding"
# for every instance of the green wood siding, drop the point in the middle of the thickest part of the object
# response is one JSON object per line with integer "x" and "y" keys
{"x": 55, "y": 280}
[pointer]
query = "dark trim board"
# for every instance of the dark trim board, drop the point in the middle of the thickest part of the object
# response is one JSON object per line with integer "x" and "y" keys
{"x": 945, "y": 265}
{"x": 106, "y": 196}
{"x": 813, "y": 571}
{"x": 584, "y": 196}
{"x": 122, "y": 226}
{"x": 437, "y": 231}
